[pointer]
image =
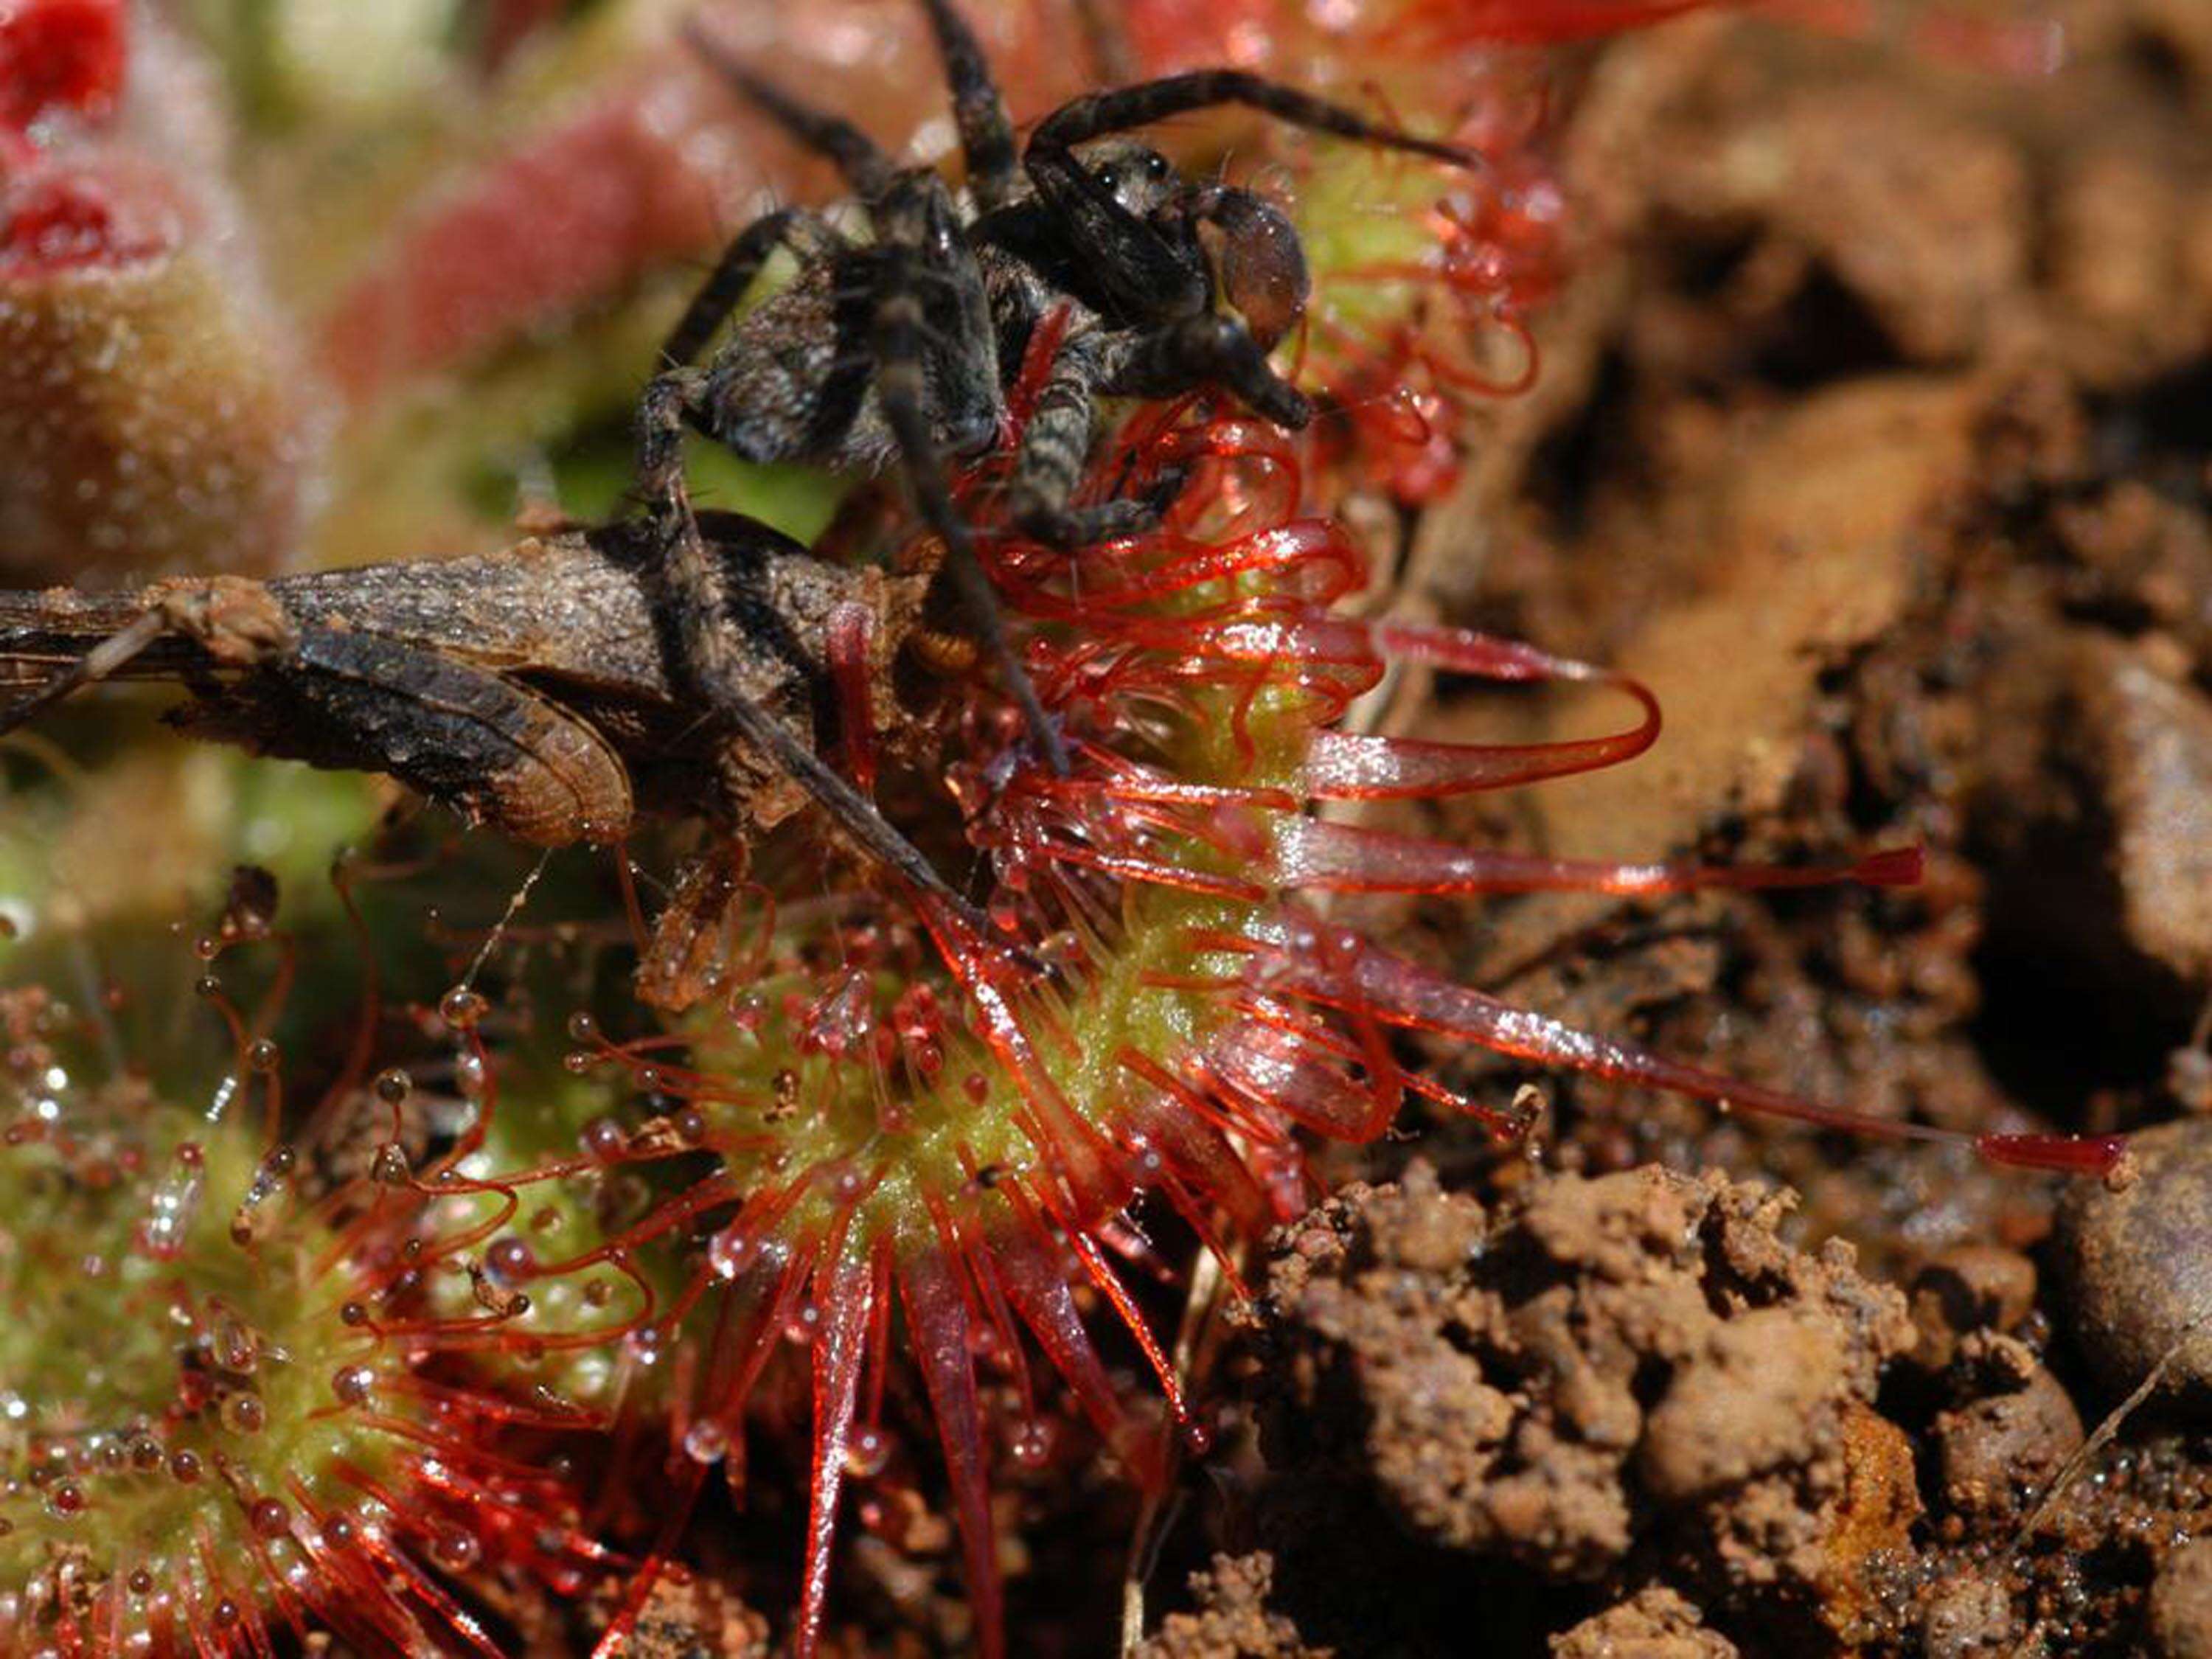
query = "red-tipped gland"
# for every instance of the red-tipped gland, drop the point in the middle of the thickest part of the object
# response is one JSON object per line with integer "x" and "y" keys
{"x": 2076, "y": 1155}
{"x": 61, "y": 55}
{"x": 58, "y": 221}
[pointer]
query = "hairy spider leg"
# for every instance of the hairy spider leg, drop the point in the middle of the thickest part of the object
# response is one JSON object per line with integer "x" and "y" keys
{"x": 688, "y": 580}
{"x": 918, "y": 228}
{"x": 1056, "y": 445}
{"x": 1188, "y": 349}
{"x": 1095, "y": 114}
{"x": 689, "y": 596}
{"x": 987, "y": 133}
{"x": 1206, "y": 349}
{"x": 865, "y": 167}
{"x": 803, "y": 232}
{"x": 917, "y": 231}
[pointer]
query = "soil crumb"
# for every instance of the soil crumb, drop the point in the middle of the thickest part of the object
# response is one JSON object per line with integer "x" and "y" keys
{"x": 1594, "y": 1375}
{"x": 1653, "y": 1624}
{"x": 1233, "y": 1620}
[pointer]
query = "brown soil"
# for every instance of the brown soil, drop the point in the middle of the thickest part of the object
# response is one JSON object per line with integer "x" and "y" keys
{"x": 1877, "y": 437}
{"x": 1602, "y": 1380}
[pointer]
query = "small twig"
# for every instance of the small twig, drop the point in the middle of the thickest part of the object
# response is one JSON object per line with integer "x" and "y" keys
{"x": 2103, "y": 1435}
{"x": 1163, "y": 1506}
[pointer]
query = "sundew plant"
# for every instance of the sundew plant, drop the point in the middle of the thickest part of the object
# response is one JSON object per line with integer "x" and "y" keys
{"x": 396, "y": 1257}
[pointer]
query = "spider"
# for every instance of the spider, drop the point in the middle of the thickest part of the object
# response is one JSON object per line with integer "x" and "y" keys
{"x": 901, "y": 348}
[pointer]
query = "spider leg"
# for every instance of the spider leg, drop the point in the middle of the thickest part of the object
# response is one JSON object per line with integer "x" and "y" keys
{"x": 673, "y": 397}
{"x": 1056, "y": 449}
{"x": 691, "y": 596}
{"x": 1207, "y": 349}
{"x": 734, "y": 273}
{"x": 1095, "y": 114}
{"x": 907, "y": 226}
{"x": 986, "y": 135}
{"x": 858, "y": 157}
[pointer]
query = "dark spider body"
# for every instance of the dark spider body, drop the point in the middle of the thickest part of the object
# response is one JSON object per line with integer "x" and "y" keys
{"x": 1238, "y": 297}
{"x": 794, "y": 380}
{"x": 902, "y": 347}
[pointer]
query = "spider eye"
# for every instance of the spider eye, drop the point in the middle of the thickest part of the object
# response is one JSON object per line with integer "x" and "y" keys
{"x": 1109, "y": 178}
{"x": 1156, "y": 166}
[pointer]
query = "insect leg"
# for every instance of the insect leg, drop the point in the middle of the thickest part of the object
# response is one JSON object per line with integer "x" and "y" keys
{"x": 465, "y": 735}
{"x": 903, "y": 225}
{"x": 110, "y": 655}
{"x": 986, "y": 135}
{"x": 862, "y": 161}
{"x": 724, "y": 290}
{"x": 234, "y": 622}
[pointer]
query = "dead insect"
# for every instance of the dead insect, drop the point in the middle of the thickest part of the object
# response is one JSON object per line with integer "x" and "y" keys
{"x": 526, "y": 688}
{"x": 903, "y": 346}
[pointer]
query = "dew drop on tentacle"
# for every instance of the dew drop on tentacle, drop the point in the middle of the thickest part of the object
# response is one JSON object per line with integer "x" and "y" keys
{"x": 604, "y": 1141}
{"x": 868, "y": 1453}
{"x": 706, "y": 1441}
{"x": 173, "y": 1207}
{"x": 511, "y": 1260}
{"x": 462, "y": 1009}
{"x": 1030, "y": 1443}
{"x": 455, "y": 1549}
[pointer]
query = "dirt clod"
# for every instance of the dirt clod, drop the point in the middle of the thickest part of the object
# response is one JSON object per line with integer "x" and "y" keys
{"x": 688, "y": 1617}
{"x": 1968, "y": 1616}
{"x": 1966, "y": 1288}
{"x": 2153, "y": 742}
{"x": 2181, "y": 1603}
{"x": 1593, "y": 1368}
{"x": 1233, "y": 1621}
{"x": 2135, "y": 1268}
{"x": 1998, "y": 1453}
{"x": 1657, "y": 1623}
